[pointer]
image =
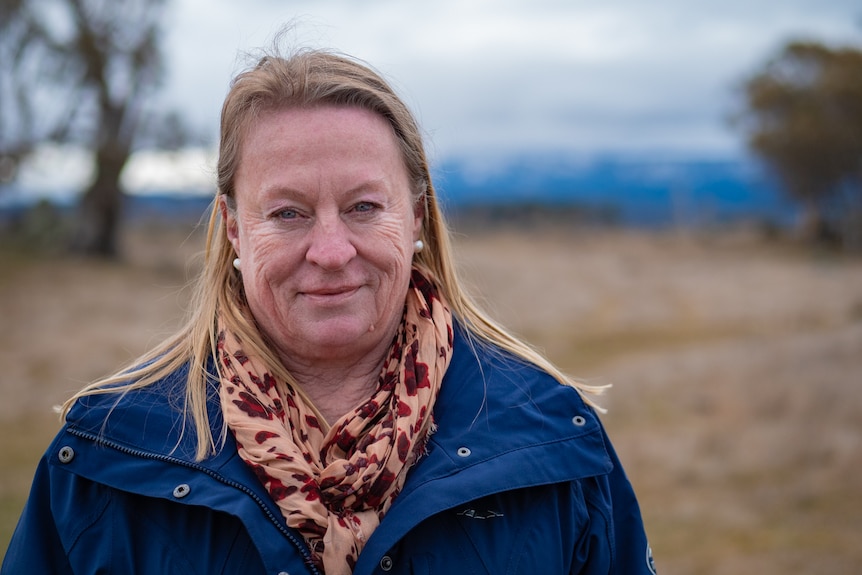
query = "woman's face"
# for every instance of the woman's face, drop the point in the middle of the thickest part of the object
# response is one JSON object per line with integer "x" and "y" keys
{"x": 324, "y": 226}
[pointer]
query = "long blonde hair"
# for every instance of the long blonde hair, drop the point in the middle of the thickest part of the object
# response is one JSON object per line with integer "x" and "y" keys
{"x": 306, "y": 78}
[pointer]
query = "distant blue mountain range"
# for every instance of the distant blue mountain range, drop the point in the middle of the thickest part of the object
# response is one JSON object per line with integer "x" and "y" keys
{"x": 637, "y": 191}
{"x": 646, "y": 191}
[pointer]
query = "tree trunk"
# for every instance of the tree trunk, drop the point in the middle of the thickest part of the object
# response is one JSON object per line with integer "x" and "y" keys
{"x": 851, "y": 216}
{"x": 816, "y": 229}
{"x": 97, "y": 226}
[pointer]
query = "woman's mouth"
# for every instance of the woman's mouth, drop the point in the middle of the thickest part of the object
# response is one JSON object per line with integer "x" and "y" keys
{"x": 330, "y": 295}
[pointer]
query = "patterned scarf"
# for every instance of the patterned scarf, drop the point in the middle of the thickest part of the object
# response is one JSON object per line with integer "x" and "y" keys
{"x": 335, "y": 486}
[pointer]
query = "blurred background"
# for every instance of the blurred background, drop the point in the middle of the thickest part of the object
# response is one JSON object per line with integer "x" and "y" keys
{"x": 663, "y": 196}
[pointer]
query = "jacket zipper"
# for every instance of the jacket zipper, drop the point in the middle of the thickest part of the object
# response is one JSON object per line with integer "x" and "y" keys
{"x": 300, "y": 545}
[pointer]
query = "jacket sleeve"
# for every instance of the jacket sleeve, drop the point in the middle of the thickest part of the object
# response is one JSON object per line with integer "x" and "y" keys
{"x": 35, "y": 546}
{"x": 616, "y": 522}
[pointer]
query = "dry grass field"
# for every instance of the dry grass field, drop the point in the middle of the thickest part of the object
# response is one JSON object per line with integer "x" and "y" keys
{"x": 736, "y": 364}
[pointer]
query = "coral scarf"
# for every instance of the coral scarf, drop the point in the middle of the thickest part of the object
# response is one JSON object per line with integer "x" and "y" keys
{"x": 335, "y": 486}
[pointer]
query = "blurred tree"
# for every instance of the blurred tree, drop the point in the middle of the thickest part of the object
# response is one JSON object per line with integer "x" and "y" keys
{"x": 83, "y": 72}
{"x": 804, "y": 118}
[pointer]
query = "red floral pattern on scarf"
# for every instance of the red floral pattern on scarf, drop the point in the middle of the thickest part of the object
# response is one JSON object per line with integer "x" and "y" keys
{"x": 335, "y": 486}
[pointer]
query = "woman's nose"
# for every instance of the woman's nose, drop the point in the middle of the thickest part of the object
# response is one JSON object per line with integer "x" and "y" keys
{"x": 330, "y": 246}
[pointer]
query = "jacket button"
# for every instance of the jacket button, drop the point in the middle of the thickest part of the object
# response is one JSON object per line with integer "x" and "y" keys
{"x": 464, "y": 452}
{"x": 182, "y": 490}
{"x": 66, "y": 454}
{"x": 386, "y": 563}
{"x": 579, "y": 420}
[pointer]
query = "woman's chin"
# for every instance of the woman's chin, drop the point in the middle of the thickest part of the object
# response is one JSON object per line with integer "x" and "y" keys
{"x": 341, "y": 337}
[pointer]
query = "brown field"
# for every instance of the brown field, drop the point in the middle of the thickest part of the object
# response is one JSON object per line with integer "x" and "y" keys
{"x": 736, "y": 364}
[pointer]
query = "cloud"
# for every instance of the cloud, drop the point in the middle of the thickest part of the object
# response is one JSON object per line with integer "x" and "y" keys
{"x": 501, "y": 75}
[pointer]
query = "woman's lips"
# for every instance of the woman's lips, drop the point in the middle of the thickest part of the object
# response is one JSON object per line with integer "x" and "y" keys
{"x": 330, "y": 295}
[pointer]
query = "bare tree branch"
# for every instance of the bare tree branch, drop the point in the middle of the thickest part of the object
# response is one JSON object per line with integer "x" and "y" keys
{"x": 83, "y": 72}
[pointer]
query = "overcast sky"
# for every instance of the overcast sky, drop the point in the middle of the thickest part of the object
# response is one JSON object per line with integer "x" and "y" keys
{"x": 511, "y": 75}
{"x": 493, "y": 77}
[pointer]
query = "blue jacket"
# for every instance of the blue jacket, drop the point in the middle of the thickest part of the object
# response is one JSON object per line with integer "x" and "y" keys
{"x": 520, "y": 478}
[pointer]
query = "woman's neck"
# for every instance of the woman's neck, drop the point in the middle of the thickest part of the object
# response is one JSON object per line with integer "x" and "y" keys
{"x": 336, "y": 390}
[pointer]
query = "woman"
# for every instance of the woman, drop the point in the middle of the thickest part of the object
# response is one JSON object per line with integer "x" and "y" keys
{"x": 335, "y": 403}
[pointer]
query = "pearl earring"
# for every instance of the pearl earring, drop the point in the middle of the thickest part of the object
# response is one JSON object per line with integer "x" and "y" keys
{"x": 418, "y": 246}
{"x": 236, "y": 263}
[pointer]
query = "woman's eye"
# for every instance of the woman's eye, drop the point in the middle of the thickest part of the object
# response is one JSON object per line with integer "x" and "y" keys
{"x": 363, "y": 207}
{"x": 288, "y": 214}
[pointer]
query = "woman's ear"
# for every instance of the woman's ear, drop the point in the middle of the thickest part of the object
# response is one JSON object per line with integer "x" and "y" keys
{"x": 227, "y": 207}
{"x": 418, "y": 219}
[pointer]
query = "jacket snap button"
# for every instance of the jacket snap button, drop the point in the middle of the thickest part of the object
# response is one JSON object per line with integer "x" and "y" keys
{"x": 464, "y": 452}
{"x": 386, "y": 563}
{"x": 66, "y": 454}
{"x": 181, "y": 490}
{"x": 579, "y": 420}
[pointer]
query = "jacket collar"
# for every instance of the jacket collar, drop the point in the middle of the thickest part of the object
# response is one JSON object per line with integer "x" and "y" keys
{"x": 491, "y": 406}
